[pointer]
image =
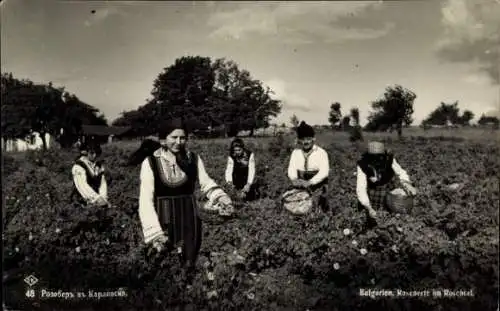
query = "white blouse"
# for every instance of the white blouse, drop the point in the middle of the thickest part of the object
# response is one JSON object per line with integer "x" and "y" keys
{"x": 316, "y": 160}
{"x": 147, "y": 213}
{"x": 82, "y": 186}
{"x": 251, "y": 170}
{"x": 362, "y": 183}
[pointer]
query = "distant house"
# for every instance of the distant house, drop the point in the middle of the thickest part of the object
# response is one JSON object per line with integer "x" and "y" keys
{"x": 102, "y": 133}
{"x": 32, "y": 141}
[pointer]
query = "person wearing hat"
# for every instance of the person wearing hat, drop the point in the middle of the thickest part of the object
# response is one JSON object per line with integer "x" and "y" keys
{"x": 375, "y": 178}
{"x": 89, "y": 178}
{"x": 240, "y": 169}
{"x": 309, "y": 166}
{"x": 168, "y": 210}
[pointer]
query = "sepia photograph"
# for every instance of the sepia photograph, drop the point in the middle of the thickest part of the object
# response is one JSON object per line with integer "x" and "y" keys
{"x": 250, "y": 155}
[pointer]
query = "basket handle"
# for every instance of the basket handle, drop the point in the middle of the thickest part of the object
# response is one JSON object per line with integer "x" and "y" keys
{"x": 283, "y": 197}
{"x": 404, "y": 183}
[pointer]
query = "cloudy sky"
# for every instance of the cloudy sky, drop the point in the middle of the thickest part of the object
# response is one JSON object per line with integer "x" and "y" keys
{"x": 312, "y": 53}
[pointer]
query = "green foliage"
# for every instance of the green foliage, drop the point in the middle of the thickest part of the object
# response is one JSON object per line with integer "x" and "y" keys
{"x": 265, "y": 259}
{"x": 448, "y": 113}
{"x": 485, "y": 120}
{"x": 205, "y": 93}
{"x": 392, "y": 111}
{"x": 335, "y": 115}
{"x": 28, "y": 107}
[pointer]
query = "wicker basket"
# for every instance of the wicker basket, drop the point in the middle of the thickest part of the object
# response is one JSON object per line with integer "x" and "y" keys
{"x": 399, "y": 202}
{"x": 297, "y": 202}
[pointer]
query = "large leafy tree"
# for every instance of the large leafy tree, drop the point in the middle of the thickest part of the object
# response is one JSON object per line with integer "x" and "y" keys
{"x": 241, "y": 101}
{"x": 393, "y": 110}
{"x": 183, "y": 90}
{"x": 28, "y": 107}
{"x": 139, "y": 120}
{"x": 208, "y": 94}
{"x": 448, "y": 113}
{"x": 466, "y": 117}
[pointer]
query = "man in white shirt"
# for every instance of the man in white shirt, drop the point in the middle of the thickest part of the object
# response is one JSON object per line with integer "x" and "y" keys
{"x": 309, "y": 166}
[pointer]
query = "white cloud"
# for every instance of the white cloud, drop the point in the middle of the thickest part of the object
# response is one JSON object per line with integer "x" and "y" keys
{"x": 294, "y": 22}
{"x": 291, "y": 101}
{"x": 477, "y": 79}
{"x": 472, "y": 35}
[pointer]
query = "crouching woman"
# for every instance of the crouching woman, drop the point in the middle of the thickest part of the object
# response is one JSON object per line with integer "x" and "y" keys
{"x": 167, "y": 204}
{"x": 376, "y": 172}
{"x": 89, "y": 177}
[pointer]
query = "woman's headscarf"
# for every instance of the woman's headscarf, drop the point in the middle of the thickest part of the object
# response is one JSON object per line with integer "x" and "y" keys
{"x": 376, "y": 159}
{"x": 184, "y": 159}
{"x": 171, "y": 125}
{"x": 305, "y": 130}
{"x": 237, "y": 142}
{"x": 92, "y": 146}
{"x": 149, "y": 146}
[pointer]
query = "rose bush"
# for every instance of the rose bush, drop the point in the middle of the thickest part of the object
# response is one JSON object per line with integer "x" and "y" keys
{"x": 264, "y": 258}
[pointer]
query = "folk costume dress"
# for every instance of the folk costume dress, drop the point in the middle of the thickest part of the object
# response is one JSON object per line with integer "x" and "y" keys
{"x": 167, "y": 203}
{"x": 240, "y": 171}
{"x": 314, "y": 167}
{"x": 89, "y": 181}
{"x": 375, "y": 179}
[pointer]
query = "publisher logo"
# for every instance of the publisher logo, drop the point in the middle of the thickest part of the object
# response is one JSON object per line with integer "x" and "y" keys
{"x": 30, "y": 280}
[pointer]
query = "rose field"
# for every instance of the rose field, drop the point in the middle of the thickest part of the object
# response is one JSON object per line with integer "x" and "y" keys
{"x": 263, "y": 258}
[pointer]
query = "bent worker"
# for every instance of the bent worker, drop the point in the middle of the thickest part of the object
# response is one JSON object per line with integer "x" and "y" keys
{"x": 89, "y": 178}
{"x": 375, "y": 179}
{"x": 240, "y": 169}
{"x": 309, "y": 165}
{"x": 167, "y": 205}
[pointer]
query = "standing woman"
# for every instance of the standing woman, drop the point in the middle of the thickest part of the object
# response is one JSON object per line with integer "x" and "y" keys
{"x": 240, "y": 169}
{"x": 375, "y": 179}
{"x": 89, "y": 178}
{"x": 167, "y": 205}
{"x": 309, "y": 165}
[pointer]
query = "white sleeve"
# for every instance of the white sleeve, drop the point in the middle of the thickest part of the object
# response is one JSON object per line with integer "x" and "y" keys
{"x": 400, "y": 172}
{"x": 103, "y": 189}
{"x": 292, "y": 166}
{"x": 324, "y": 168}
{"x": 151, "y": 227}
{"x": 80, "y": 180}
{"x": 206, "y": 183}
{"x": 361, "y": 188}
{"x": 229, "y": 170}
{"x": 251, "y": 169}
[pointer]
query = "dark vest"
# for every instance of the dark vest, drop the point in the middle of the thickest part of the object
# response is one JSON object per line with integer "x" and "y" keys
{"x": 240, "y": 170}
{"x": 308, "y": 173}
{"x": 383, "y": 168}
{"x": 164, "y": 188}
{"x": 94, "y": 181}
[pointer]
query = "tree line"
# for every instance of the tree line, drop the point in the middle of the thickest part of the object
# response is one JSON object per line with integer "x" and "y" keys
{"x": 213, "y": 94}
{"x": 209, "y": 94}
{"x": 394, "y": 110}
{"x": 29, "y": 107}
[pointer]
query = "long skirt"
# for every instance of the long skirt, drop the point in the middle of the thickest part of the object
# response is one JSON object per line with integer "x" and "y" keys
{"x": 179, "y": 217}
{"x": 378, "y": 201}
